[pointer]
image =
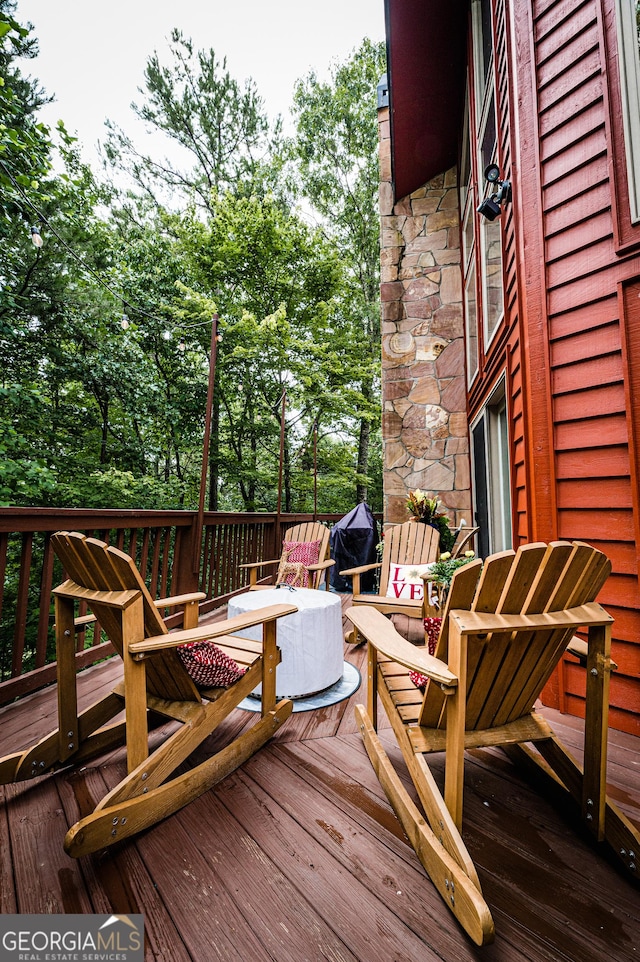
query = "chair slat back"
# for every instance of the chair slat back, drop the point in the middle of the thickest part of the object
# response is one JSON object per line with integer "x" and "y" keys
{"x": 94, "y": 565}
{"x": 411, "y": 543}
{"x": 507, "y": 671}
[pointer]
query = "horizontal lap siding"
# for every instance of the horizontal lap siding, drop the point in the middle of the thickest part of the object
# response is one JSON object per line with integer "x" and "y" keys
{"x": 595, "y": 497}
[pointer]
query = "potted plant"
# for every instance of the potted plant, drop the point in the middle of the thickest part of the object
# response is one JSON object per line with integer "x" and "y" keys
{"x": 427, "y": 509}
{"x": 442, "y": 571}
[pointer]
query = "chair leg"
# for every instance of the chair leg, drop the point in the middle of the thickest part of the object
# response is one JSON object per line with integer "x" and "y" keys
{"x": 461, "y": 895}
{"x": 45, "y": 755}
{"x": 122, "y": 820}
{"x": 438, "y": 815}
{"x": 564, "y": 772}
{"x": 596, "y": 729}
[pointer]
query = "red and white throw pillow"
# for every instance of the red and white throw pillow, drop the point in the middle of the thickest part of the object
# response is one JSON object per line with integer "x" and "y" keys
{"x": 406, "y": 582}
{"x": 296, "y": 557}
{"x": 208, "y": 665}
{"x": 432, "y": 633}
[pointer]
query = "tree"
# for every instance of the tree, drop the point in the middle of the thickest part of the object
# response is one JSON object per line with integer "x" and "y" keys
{"x": 25, "y": 144}
{"x": 221, "y": 128}
{"x": 289, "y": 298}
{"x": 274, "y": 282}
{"x": 336, "y": 153}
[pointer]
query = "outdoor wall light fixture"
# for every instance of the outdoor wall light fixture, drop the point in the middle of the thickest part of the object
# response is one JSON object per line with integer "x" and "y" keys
{"x": 491, "y": 206}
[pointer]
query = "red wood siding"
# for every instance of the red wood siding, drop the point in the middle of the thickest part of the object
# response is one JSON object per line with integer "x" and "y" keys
{"x": 571, "y": 330}
{"x": 589, "y": 335}
{"x": 504, "y": 354}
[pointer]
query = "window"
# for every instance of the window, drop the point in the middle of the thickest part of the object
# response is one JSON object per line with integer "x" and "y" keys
{"x": 467, "y": 206}
{"x": 481, "y": 238}
{"x": 492, "y": 291}
{"x": 471, "y": 324}
{"x": 629, "y": 59}
{"x": 491, "y": 476}
{"x": 487, "y": 151}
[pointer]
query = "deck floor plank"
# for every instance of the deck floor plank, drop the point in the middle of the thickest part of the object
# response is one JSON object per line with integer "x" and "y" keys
{"x": 378, "y": 882}
{"x": 298, "y": 856}
{"x": 333, "y": 864}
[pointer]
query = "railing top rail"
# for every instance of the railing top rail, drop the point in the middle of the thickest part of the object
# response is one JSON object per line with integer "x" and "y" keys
{"x": 56, "y": 519}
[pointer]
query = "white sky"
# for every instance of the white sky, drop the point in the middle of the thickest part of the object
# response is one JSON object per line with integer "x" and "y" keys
{"x": 93, "y": 52}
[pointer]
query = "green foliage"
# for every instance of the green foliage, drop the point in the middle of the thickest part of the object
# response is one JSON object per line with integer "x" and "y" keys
{"x": 98, "y": 414}
{"x": 111, "y": 486}
{"x": 426, "y": 509}
{"x": 335, "y": 153}
{"x": 25, "y": 478}
{"x": 443, "y": 570}
{"x": 25, "y": 142}
{"x": 277, "y": 285}
{"x": 220, "y": 127}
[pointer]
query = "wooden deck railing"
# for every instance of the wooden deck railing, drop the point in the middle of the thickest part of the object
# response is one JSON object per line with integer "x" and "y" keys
{"x": 163, "y": 546}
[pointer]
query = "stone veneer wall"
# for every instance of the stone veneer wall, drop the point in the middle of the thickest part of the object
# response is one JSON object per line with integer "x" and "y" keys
{"x": 425, "y": 432}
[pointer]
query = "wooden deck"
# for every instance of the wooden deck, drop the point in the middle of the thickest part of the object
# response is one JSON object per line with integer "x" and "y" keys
{"x": 298, "y": 856}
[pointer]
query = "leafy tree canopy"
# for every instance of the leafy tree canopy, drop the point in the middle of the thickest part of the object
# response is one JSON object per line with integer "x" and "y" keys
{"x": 105, "y": 330}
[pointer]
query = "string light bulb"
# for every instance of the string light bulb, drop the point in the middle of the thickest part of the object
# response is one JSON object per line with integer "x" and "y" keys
{"x": 124, "y": 322}
{"x": 36, "y": 237}
{"x": 182, "y": 345}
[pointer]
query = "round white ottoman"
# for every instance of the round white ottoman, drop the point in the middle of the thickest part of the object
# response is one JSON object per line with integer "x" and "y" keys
{"x": 310, "y": 640}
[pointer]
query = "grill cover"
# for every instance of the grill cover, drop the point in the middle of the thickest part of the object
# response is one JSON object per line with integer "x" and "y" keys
{"x": 353, "y": 543}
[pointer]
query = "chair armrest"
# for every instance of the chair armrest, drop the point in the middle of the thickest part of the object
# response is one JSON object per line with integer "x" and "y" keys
{"x": 469, "y": 535}
{"x": 579, "y": 648}
{"x": 361, "y": 569}
{"x": 380, "y": 633}
{"x": 321, "y": 565}
{"x": 210, "y": 632}
{"x": 260, "y": 564}
{"x": 177, "y": 600}
{"x": 81, "y": 623}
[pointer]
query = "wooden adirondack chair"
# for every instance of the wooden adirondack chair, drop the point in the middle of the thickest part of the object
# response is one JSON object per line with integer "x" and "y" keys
{"x": 501, "y": 638}
{"x": 309, "y": 531}
{"x": 155, "y": 679}
{"x": 411, "y": 545}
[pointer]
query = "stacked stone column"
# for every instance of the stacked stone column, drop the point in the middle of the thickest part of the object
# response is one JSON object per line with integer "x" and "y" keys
{"x": 424, "y": 421}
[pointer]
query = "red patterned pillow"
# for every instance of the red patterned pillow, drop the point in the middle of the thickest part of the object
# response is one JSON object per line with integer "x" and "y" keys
{"x": 296, "y": 556}
{"x": 432, "y": 633}
{"x": 208, "y": 665}
{"x": 305, "y": 552}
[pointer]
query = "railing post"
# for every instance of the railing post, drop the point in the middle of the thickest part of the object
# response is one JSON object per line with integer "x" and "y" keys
{"x": 186, "y": 576}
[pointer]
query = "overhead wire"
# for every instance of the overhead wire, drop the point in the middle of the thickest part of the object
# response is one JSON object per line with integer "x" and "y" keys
{"x": 80, "y": 260}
